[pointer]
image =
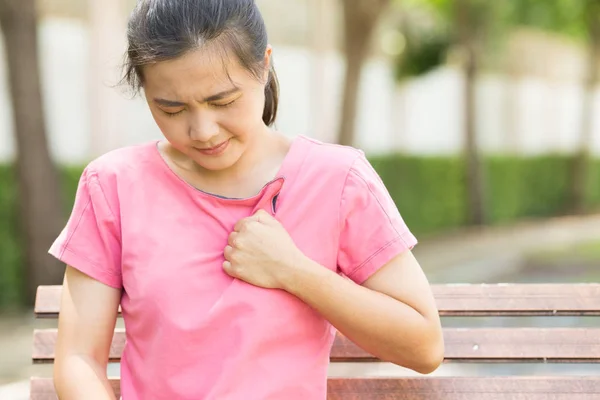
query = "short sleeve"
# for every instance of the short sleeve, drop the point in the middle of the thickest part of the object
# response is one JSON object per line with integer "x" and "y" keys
{"x": 372, "y": 232}
{"x": 90, "y": 241}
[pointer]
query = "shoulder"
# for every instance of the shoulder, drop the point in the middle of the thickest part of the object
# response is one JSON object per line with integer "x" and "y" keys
{"x": 123, "y": 164}
{"x": 343, "y": 169}
{"x": 333, "y": 159}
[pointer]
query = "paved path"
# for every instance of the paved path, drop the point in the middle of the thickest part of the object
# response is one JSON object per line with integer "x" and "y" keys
{"x": 474, "y": 255}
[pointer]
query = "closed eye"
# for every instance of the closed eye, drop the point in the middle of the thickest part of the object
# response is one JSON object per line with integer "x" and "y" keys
{"x": 224, "y": 105}
{"x": 172, "y": 114}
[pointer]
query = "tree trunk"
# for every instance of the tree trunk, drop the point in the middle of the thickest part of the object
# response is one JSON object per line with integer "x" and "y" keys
{"x": 322, "y": 41}
{"x": 581, "y": 162}
{"x": 360, "y": 20}
{"x": 474, "y": 171}
{"x": 355, "y": 59}
{"x": 39, "y": 191}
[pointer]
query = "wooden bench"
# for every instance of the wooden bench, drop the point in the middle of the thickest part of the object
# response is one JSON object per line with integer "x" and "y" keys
{"x": 463, "y": 345}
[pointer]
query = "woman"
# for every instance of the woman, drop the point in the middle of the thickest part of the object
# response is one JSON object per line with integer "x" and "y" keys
{"x": 233, "y": 252}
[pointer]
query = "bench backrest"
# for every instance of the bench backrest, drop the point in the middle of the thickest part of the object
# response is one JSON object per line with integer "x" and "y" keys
{"x": 464, "y": 344}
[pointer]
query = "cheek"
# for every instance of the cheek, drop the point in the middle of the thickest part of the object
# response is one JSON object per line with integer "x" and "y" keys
{"x": 253, "y": 106}
{"x": 244, "y": 115}
{"x": 171, "y": 127}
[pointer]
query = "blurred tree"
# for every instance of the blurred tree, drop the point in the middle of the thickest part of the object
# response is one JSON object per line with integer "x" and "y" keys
{"x": 39, "y": 198}
{"x": 427, "y": 43}
{"x": 360, "y": 21}
{"x": 582, "y": 164}
{"x": 581, "y": 20}
{"x": 471, "y": 20}
{"x": 464, "y": 28}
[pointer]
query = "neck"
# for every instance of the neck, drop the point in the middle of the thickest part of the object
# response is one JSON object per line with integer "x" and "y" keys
{"x": 262, "y": 148}
{"x": 258, "y": 165}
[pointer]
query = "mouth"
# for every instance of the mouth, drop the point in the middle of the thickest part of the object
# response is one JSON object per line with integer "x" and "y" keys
{"x": 215, "y": 151}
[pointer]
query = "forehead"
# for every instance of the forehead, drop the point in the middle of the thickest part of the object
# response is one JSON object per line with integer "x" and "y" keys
{"x": 201, "y": 72}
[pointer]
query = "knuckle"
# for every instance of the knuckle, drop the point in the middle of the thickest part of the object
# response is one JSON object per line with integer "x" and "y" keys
{"x": 232, "y": 269}
{"x": 238, "y": 270}
{"x": 235, "y": 257}
{"x": 238, "y": 243}
{"x": 263, "y": 215}
{"x": 227, "y": 267}
{"x": 231, "y": 239}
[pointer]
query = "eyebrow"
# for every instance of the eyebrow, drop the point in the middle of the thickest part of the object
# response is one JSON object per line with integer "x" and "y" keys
{"x": 215, "y": 97}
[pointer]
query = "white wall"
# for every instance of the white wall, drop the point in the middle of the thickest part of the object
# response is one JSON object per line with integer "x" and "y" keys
{"x": 528, "y": 116}
{"x": 422, "y": 116}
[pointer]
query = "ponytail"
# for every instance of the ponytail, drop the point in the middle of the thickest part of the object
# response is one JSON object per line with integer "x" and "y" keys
{"x": 271, "y": 98}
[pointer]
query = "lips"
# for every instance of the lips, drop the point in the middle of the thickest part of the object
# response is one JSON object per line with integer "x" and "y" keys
{"x": 214, "y": 151}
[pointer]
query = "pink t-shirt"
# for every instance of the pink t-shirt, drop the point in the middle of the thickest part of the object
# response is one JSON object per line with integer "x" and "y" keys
{"x": 192, "y": 331}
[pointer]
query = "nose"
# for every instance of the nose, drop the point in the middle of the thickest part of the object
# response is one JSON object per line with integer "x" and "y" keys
{"x": 203, "y": 127}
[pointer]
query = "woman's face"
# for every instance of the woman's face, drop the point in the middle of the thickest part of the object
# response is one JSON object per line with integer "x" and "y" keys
{"x": 207, "y": 107}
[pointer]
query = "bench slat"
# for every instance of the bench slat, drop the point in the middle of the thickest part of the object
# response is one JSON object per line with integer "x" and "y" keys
{"x": 43, "y": 388}
{"x": 577, "y": 345}
{"x": 518, "y": 299}
{"x": 431, "y": 388}
{"x": 458, "y": 300}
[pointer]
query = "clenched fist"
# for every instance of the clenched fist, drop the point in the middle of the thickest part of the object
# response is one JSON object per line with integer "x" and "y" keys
{"x": 261, "y": 252}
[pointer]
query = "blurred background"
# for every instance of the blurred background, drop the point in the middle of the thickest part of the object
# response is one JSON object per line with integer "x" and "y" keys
{"x": 482, "y": 117}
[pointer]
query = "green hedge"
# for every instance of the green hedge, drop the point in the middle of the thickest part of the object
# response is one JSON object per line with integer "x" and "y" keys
{"x": 594, "y": 186}
{"x": 10, "y": 274}
{"x": 532, "y": 187}
{"x": 431, "y": 195}
{"x": 429, "y": 191}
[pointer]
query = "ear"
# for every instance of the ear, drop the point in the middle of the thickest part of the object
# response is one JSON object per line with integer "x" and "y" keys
{"x": 267, "y": 62}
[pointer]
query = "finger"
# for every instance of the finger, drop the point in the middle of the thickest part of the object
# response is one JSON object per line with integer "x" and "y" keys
{"x": 262, "y": 216}
{"x": 228, "y": 268}
{"x": 239, "y": 225}
{"x": 269, "y": 219}
{"x": 243, "y": 223}
{"x": 228, "y": 252}
{"x": 232, "y": 240}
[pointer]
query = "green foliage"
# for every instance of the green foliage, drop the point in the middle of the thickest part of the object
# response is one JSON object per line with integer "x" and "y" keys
{"x": 11, "y": 276}
{"x": 429, "y": 192}
{"x": 490, "y": 23}
{"x": 594, "y": 186}
{"x": 422, "y": 55}
{"x": 566, "y": 17}
{"x": 427, "y": 45}
{"x": 527, "y": 187}
{"x": 69, "y": 180}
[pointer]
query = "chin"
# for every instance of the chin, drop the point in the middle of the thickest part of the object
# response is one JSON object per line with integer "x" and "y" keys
{"x": 215, "y": 164}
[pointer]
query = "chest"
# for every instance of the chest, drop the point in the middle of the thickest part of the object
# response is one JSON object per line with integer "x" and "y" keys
{"x": 173, "y": 256}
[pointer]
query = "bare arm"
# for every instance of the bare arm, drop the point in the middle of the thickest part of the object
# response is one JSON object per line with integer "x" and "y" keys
{"x": 392, "y": 316}
{"x": 86, "y": 324}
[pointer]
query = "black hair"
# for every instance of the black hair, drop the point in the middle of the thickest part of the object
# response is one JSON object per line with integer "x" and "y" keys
{"x": 161, "y": 30}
